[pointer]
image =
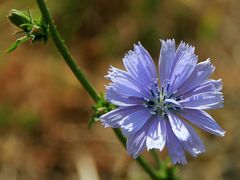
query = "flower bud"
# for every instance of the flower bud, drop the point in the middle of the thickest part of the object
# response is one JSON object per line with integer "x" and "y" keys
{"x": 20, "y": 19}
{"x": 33, "y": 29}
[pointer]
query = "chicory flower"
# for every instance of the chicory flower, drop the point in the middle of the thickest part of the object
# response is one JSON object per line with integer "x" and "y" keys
{"x": 154, "y": 109}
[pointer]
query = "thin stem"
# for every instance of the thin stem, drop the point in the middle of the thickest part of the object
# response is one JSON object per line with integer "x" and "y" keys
{"x": 62, "y": 48}
{"x": 81, "y": 77}
{"x": 140, "y": 160}
{"x": 156, "y": 158}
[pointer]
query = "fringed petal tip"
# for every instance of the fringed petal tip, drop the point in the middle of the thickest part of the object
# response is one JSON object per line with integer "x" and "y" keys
{"x": 168, "y": 41}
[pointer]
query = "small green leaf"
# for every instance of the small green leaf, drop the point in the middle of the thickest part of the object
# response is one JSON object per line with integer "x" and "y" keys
{"x": 17, "y": 43}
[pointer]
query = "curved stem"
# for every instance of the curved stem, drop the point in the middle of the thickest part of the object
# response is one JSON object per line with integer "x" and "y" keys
{"x": 81, "y": 77}
{"x": 156, "y": 158}
{"x": 140, "y": 160}
{"x": 62, "y": 48}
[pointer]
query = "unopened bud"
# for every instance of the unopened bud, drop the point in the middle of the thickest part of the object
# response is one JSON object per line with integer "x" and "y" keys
{"x": 33, "y": 29}
{"x": 19, "y": 19}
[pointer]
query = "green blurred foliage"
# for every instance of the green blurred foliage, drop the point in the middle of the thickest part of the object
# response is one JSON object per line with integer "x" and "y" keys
{"x": 22, "y": 118}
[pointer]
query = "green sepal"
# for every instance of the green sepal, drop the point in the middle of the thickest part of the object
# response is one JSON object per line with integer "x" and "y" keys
{"x": 101, "y": 107}
{"x": 17, "y": 43}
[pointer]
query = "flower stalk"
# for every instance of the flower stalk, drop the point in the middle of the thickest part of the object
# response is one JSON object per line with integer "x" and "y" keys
{"x": 140, "y": 160}
{"x": 156, "y": 159}
{"x": 62, "y": 48}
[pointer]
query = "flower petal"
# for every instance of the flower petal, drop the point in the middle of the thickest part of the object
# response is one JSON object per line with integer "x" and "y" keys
{"x": 204, "y": 101}
{"x": 135, "y": 121}
{"x": 140, "y": 65}
{"x": 148, "y": 63}
{"x": 175, "y": 148}
{"x": 122, "y": 83}
{"x": 208, "y": 86}
{"x": 172, "y": 103}
{"x": 181, "y": 50}
{"x": 203, "y": 120}
{"x": 114, "y": 118}
{"x": 186, "y": 135}
{"x": 183, "y": 68}
{"x": 166, "y": 60}
{"x": 122, "y": 80}
{"x": 136, "y": 142}
{"x": 156, "y": 136}
{"x": 201, "y": 72}
{"x": 120, "y": 99}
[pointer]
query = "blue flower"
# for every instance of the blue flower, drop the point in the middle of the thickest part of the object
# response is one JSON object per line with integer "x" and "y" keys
{"x": 155, "y": 111}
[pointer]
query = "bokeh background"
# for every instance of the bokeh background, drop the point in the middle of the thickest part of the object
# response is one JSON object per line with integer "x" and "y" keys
{"x": 44, "y": 111}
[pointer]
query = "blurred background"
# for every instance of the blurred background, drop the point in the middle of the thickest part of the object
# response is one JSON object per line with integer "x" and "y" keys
{"x": 44, "y": 111}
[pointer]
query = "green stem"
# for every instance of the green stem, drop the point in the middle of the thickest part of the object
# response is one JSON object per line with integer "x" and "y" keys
{"x": 62, "y": 48}
{"x": 156, "y": 158}
{"x": 81, "y": 77}
{"x": 140, "y": 160}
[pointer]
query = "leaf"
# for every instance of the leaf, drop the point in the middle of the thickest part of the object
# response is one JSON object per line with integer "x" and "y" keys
{"x": 17, "y": 43}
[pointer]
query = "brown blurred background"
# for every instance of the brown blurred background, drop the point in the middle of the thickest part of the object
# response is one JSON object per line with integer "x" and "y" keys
{"x": 44, "y": 111}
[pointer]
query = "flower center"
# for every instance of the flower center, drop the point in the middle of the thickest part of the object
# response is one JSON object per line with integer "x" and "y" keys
{"x": 160, "y": 102}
